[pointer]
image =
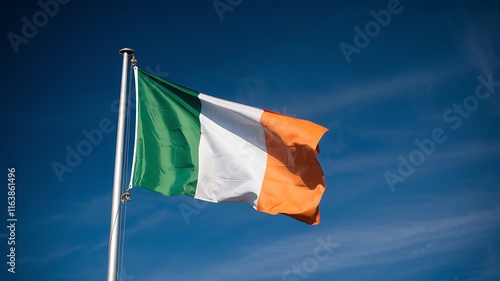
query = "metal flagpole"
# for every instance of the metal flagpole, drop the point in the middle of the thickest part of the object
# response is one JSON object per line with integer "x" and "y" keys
{"x": 117, "y": 181}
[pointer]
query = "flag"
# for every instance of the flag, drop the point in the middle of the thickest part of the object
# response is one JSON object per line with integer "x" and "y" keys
{"x": 189, "y": 143}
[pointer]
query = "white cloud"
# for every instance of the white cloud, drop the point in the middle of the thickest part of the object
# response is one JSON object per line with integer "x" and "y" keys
{"x": 354, "y": 96}
{"x": 479, "y": 48}
{"x": 371, "y": 242}
{"x": 83, "y": 212}
{"x": 477, "y": 41}
{"x": 54, "y": 255}
{"x": 159, "y": 216}
{"x": 491, "y": 268}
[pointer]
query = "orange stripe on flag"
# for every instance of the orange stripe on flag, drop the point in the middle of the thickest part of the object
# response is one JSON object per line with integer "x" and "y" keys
{"x": 293, "y": 181}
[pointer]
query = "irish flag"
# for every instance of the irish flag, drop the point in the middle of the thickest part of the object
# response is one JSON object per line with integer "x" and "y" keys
{"x": 189, "y": 143}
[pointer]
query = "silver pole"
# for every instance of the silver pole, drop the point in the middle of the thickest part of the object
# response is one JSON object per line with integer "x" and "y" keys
{"x": 117, "y": 181}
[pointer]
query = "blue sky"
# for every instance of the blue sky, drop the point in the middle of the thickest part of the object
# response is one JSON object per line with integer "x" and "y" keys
{"x": 412, "y": 79}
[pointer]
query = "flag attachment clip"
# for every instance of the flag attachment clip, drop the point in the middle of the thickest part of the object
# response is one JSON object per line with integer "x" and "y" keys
{"x": 133, "y": 60}
{"x": 126, "y": 196}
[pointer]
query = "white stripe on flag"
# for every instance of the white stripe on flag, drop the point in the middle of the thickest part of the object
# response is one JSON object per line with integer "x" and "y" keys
{"x": 232, "y": 152}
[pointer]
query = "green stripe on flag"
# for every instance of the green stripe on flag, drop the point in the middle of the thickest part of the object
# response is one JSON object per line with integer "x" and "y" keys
{"x": 167, "y": 138}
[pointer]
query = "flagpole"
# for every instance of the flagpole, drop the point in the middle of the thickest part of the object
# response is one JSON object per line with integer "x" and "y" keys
{"x": 117, "y": 181}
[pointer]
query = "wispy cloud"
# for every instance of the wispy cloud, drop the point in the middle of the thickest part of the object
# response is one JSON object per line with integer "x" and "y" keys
{"x": 251, "y": 89}
{"x": 479, "y": 48}
{"x": 83, "y": 212}
{"x": 358, "y": 163}
{"x": 477, "y": 41}
{"x": 363, "y": 93}
{"x": 54, "y": 255}
{"x": 371, "y": 242}
{"x": 149, "y": 221}
{"x": 448, "y": 155}
{"x": 62, "y": 253}
{"x": 491, "y": 268}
